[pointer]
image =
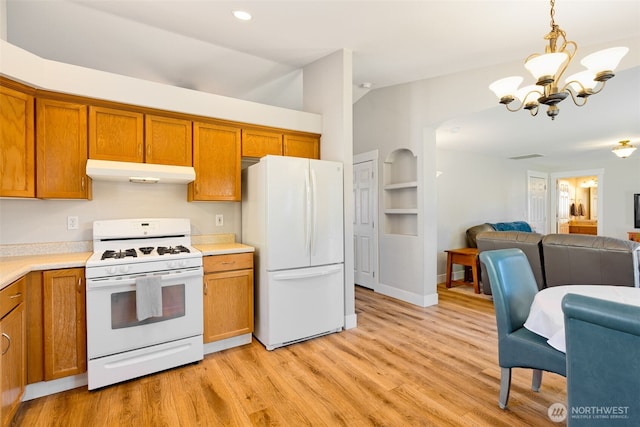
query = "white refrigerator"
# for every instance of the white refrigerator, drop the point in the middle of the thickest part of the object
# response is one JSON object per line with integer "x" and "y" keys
{"x": 292, "y": 213}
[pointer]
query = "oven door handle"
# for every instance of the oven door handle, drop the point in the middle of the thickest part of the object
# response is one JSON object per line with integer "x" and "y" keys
{"x": 107, "y": 282}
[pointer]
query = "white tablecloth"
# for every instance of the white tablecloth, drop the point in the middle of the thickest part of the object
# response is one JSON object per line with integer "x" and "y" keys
{"x": 547, "y": 319}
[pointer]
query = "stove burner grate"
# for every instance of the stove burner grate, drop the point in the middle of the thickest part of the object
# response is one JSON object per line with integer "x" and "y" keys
{"x": 162, "y": 250}
{"x": 146, "y": 250}
{"x": 110, "y": 254}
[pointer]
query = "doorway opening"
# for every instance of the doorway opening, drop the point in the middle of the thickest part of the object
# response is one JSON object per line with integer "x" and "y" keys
{"x": 576, "y": 199}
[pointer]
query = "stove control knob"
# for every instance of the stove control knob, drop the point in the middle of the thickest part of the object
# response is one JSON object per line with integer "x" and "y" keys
{"x": 112, "y": 269}
{"x": 171, "y": 264}
{"x": 182, "y": 263}
{"x": 124, "y": 268}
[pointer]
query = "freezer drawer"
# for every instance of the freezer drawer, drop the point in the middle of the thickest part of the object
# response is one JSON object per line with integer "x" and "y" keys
{"x": 294, "y": 305}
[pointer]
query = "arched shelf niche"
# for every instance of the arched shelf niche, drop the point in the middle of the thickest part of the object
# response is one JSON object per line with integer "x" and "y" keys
{"x": 401, "y": 193}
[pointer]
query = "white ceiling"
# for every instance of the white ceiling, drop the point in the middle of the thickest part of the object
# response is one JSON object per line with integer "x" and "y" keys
{"x": 198, "y": 44}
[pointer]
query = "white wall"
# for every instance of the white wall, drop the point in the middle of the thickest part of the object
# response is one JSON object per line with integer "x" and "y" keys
{"x": 474, "y": 189}
{"x": 328, "y": 91}
{"x": 41, "y": 221}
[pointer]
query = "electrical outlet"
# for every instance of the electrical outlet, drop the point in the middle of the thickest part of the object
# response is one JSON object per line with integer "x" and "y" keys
{"x": 219, "y": 220}
{"x": 72, "y": 223}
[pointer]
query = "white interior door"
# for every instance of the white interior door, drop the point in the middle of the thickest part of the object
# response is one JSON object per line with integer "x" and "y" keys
{"x": 537, "y": 215}
{"x": 365, "y": 259}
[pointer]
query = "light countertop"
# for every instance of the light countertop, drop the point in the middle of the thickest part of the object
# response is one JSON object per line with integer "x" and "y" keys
{"x": 14, "y": 267}
{"x": 223, "y": 248}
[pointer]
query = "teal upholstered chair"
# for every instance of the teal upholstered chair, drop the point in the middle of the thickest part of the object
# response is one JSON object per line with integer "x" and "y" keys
{"x": 603, "y": 362}
{"x": 513, "y": 287}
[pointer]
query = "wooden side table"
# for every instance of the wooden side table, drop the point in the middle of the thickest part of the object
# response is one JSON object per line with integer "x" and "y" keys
{"x": 467, "y": 257}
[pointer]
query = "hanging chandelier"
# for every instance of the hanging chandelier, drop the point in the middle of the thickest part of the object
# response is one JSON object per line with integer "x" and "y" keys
{"x": 548, "y": 69}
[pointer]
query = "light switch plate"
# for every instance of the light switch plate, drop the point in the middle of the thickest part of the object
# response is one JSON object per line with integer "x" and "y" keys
{"x": 219, "y": 220}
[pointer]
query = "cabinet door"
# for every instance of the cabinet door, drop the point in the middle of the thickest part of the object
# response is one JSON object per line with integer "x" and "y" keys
{"x": 302, "y": 146}
{"x": 13, "y": 375}
{"x": 116, "y": 135}
{"x": 216, "y": 159}
{"x": 228, "y": 304}
{"x": 17, "y": 149}
{"x": 61, "y": 150}
{"x": 168, "y": 141}
{"x": 258, "y": 143}
{"x": 65, "y": 330}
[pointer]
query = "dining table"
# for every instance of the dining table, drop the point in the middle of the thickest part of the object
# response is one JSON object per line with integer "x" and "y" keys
{"x": 547, "y": 319}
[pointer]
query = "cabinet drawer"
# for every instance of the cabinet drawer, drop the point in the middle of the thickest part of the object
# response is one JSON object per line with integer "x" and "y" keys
{"x": 12, "y": 295}
{"x": 227, "y": 262}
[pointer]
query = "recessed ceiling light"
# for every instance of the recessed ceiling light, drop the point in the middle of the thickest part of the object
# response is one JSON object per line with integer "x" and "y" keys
{"x": 242, "y": 15}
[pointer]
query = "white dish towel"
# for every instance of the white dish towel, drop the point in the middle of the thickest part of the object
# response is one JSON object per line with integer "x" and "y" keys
{"x": 148, "y": 297}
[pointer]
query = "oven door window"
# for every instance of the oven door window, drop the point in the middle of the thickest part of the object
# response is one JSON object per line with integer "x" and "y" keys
{"x": 123, "y": 307}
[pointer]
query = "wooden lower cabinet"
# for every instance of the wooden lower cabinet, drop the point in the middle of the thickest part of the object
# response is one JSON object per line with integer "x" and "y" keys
{"x": 13, "y": 377}
{"x": 64, "y": 318}
{"x": 228, "y": 296}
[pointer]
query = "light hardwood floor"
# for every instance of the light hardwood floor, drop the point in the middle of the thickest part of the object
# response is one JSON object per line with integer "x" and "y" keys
{"x": 402, "y": 366}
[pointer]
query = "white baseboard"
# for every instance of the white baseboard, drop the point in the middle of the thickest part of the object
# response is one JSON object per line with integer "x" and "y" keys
{"x": 45, "y": 388}
{"x": 406, "y": 296}
{"x": 225, "y": 344}
{"x": 350, "y": 321}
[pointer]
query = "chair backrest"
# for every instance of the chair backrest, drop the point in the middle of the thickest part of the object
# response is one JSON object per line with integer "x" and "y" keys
{"x": 603, "y": 359}
{"x": 513, "y": 287}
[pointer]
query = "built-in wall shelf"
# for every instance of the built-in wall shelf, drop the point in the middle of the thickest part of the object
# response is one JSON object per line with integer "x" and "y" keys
{"x": 401, "y": 185}
{"x": 401, "y": 193}
{"x": 401, "y": 211}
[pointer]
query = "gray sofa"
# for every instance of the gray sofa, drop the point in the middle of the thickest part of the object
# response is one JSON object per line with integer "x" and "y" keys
{"x": 569, "y": 259}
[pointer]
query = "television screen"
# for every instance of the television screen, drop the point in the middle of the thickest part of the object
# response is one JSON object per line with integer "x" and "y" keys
{"x": 636, "y": 210}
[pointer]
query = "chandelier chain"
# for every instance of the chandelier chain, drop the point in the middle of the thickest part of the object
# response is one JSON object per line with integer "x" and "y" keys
{"x": 553, "y": 13}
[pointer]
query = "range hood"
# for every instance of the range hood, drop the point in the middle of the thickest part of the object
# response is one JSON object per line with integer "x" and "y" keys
{"x": 107, "y": 170}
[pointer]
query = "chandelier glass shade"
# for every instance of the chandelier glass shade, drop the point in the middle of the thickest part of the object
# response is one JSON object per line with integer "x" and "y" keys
{"x": 548, "y": 69}
{"x": 623, "y": 149}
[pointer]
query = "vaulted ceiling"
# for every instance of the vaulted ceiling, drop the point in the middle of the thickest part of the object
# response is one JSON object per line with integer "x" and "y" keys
{"x": 198, "y": 44}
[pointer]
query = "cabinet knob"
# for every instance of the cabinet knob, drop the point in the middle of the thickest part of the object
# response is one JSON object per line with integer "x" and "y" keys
{"x": 8, "y": 343}
{"x": 206, "y": 288}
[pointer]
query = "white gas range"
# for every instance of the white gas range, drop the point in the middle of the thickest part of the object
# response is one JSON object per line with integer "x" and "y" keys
{"x": 144, "y": 299}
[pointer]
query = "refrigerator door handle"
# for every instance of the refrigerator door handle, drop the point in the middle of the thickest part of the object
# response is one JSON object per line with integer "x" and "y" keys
{"x": 314, "y": 220}
{"x": 307, "y": 213}
{"x": 305, "y": 275}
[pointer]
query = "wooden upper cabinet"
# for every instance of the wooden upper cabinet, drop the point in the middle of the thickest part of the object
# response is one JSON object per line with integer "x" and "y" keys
{"x": 17, "y": 144}
{"x": 61, "y": 150}
{"x": 259, "y": 143}
{"x": 168, "y": 141}
{"x": 116, "y": 135}
{"x": 216, "y": 160}
{"x": 302, "y": 146}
